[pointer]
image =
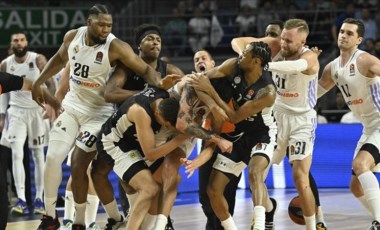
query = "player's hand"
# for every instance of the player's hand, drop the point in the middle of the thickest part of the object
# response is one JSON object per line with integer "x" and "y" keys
{"x": 37, "y": 95}
{"x": 315, "y": 50}
{"x": 49, "y": 113}
{"x": 219, "y": 114}
{"x": 169, "y": 81}
{"x": 190, "y": 166}
{"x": 224, "y": 145}
{"x": 200, "y": 82}
{"x": 52, "y": 104}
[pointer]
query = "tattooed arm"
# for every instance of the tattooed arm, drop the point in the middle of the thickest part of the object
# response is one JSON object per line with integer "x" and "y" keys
{"x": 189, "y": 120}
{"x": 264, "y": 98}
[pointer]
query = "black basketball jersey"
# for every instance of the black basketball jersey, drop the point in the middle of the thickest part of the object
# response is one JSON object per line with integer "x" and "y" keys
{"x": 119, "y": 130}
{"x": 135, "y": 82}
{"x": 242, "y": 92}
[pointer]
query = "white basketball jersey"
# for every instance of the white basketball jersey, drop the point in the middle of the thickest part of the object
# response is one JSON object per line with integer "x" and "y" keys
{"x": 90, "y": 69}
{"x": 296, "y": 93}
{"x": 361, "y": 93}
{"x": 28, "y": 70}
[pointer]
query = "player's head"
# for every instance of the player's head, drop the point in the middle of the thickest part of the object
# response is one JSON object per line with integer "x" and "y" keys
{"x": 274, "y": 29}
{"x": 203, "y": 61}
{"x": 255, "y": 51}
{"x": 293, "y": 37}
{"x": 99, "y": 23}
{"x": 167, "y": 112}
{"x": 351, "y": 33}
{"x": 19, "y": 44}
{"x": 148, "y": 40}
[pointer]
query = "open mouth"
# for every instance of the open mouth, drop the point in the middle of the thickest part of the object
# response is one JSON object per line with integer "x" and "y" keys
{"x": 202, "y": 67}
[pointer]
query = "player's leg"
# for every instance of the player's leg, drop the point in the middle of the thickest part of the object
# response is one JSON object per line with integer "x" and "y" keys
{"x": 80, "y": 161}
{"x": 84, "y": 152}
{"x": 100, "y": 169}
{"x": 215, "y": 191}
{"x": 203, "y": 177}
{"x": 320, "y": 219}
{"x": 37, "y": 140}
{"x": 39, "y": 165}
{"x": 261, "y": 155}
{"x": 147, "y": 189}
{"x": 92, "y": 203}
{"x": 363, "y": 164}
{"x": 3, "y": 196}
{"x": 300, "y": 171}
{"x": 17, "y": 133}
{"x": 61, "y": 139}
{"x": 170, "y": 181}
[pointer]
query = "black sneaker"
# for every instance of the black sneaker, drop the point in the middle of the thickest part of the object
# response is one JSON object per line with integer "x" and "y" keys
{"x": 78, "y": 227}
{"x": 48, "y": 223}
{"x": 169, "y": 225}
{"x": 113, "y": 224}
{"x": 269, "y": 216}
{"x": 375, "y": 225}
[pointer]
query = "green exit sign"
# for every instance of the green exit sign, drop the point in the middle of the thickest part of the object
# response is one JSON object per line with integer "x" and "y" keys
{"x": 44, "y": 26}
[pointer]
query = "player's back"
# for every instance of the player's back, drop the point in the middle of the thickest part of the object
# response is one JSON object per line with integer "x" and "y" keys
{"x": 118, "y": 129}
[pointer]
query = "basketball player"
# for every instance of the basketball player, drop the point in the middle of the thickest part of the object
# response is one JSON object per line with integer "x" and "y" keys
{"x": 8, "y": 82}
{"x": 203, "y": 61}
{"x": 295, "y": 73}
{"x": 356, "y": 73}
{"x": 25, "y": 120}
{"x": 92, "y": 198}
{"x": 123, "y": 84}
{"x": 128, "y": 137}
{"x": 92, "y": 52}
{"x": 273, "y": 39}
{"x": 148, "y": 39}
{"x": 253, "y": 94}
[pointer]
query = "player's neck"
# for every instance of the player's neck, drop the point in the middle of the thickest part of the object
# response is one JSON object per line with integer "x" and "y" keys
{"x": 345, "y": 55}
{"x": 150, "y": 61}
{"x": 252, "y": 76}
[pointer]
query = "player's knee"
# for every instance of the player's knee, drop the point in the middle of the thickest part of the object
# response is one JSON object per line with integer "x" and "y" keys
{"x": 212, "y": 191}
{"x": 359, "y": 166}
{"x": 255, "y": 176}
{"x": 149, "y": 190}
{"x": 302, "y": 183}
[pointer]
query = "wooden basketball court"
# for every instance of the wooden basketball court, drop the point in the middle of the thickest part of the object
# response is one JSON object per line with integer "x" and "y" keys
{"x": 342, "y": 212}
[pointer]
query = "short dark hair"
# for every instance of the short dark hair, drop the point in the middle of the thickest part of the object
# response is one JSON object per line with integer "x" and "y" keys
{"x": 144, "y": 29}
{"x": 278, "y": 23}
{"x": 359, "y": 23}
{"x": 97, "y": 9}
{"x": 208, "y": 53}
{"x": 262, "y": 51}
{"x": 19, "y": 32}
{"x": 169, "y": 108}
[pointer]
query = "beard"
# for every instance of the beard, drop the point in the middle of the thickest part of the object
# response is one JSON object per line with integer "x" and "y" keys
{"x": 288, "y": 53}
{"x": 20, "y": 53}
{"x": 97, "y": 40}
